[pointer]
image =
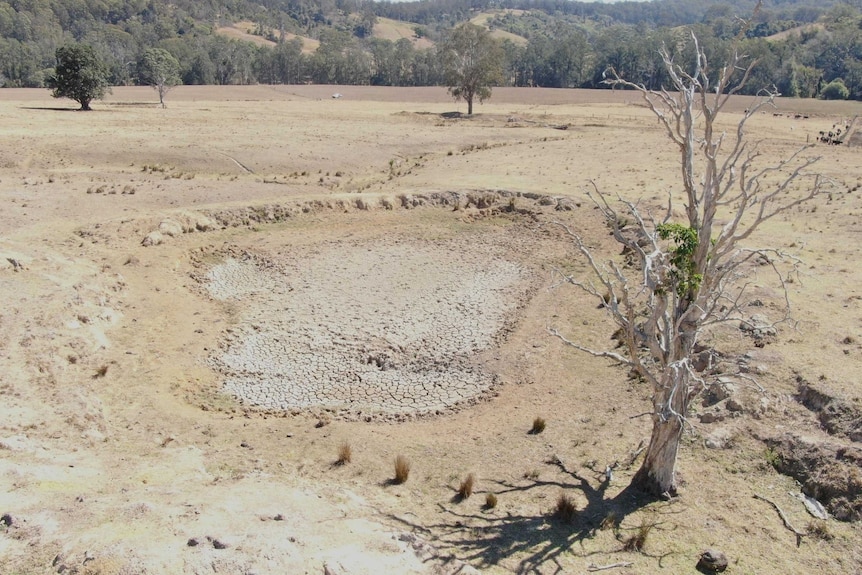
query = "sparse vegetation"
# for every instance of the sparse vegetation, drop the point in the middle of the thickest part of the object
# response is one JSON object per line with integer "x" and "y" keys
{"x": 345, "y": 454}
{"x": 611, "y": 521}
{"x": 565, "y": 509}
{"x": 820, "y": 529}
{"x": 465, "y": 490}
{"x": 638, "y": 539}
{"x": 490, "y": 501}
{"x": 402, "y": 469}
{"x": 538, "y": 426}
{"x": 102, "y": 371}
{"x": 772, "y": 457}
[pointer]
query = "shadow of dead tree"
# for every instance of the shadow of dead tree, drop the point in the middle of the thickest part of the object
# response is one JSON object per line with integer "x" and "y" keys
{"x": 539, "y": 540}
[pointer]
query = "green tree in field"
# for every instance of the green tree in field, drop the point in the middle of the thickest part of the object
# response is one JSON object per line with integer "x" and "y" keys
{"x": 79, "y": 75}
{"x": 159, "y": 69}
{"x": 835, "y": 90}
{"x": 472, "y": 63}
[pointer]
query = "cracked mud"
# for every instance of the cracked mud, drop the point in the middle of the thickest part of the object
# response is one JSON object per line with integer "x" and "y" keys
{"x": 375, "y": 327}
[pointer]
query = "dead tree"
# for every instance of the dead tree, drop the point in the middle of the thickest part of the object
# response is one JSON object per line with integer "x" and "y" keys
{"x": 686, "y": 277}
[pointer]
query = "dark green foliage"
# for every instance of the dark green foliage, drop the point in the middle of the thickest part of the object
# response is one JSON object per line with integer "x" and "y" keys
{"x": 79, "y": 75}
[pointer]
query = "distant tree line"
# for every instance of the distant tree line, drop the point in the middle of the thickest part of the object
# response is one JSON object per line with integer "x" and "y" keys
{"x": 805, "y": 49}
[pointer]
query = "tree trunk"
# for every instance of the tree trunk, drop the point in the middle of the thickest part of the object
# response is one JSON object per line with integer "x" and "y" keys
{"x": 657, "y": 474}
{"x": 469, "y": 106}
{"x": 85, "y": 106}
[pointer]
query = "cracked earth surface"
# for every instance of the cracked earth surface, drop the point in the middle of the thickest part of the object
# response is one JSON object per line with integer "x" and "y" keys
{"x": 370, "y": 327}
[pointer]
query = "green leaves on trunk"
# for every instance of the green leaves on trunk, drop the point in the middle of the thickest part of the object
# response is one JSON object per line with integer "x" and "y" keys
{"x": 683, "y": 271}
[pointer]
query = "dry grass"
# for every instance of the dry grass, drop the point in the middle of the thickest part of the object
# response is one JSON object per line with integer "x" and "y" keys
{"x": 490, "y": 501}
{"x": 345, "y": 454}
{"x": 402, "y": 469}
{"x": 820, "y": 529}
{"x": 466, "y": 488}
{"x": 611, "y": 521}
{"x": 538, "y": 426}
{"x": 638, "y": 539}
{"x": 146, "y": 359}
{"x": 565, "y": 509}
{"x": 101, "y": 372}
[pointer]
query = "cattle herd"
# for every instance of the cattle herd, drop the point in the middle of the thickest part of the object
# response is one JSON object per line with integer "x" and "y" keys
{"x": 836, "y": 135}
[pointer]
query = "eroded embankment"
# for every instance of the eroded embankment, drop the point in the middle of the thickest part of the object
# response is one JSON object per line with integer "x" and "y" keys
{"x": 375, "y": 327}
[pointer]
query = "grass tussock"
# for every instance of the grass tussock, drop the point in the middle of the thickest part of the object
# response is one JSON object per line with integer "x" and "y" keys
{"x": 467, "y": 485}
{"x": 565, "y": 509}
{"x": 402, "y": 469}
{"x": 820, "y": 529}
{"x": 101, "y": 372}
{"x": 490, "y": 501}
{"x": 637, "y": 541}
{"x": 609, "y": 522}
{"x": 345, "y": 454}
{"x": 538, "y": 426}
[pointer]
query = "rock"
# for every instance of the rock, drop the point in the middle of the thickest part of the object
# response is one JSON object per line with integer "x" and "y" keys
{"x": 711, "y": 417}
{"x": 733, "y": 405}
{"x": 218, "y": 544}
{"x": 719, "y": 391}
{"x": 718, "y": 439}
{"x": 153, "y": 238}
{"x": 712, "y": 561}
{"x": 193, "y": 542}
{"x": 814, "y": 507}
{"x": 170, "y": 228}
{"x": 204, "y": 224}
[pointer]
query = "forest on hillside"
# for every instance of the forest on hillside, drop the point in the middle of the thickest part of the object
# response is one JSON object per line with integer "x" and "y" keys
{"x": 802, "y": 46}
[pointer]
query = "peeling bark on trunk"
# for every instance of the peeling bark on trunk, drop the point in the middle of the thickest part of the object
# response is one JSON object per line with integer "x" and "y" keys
{"x": 657, "y": 475}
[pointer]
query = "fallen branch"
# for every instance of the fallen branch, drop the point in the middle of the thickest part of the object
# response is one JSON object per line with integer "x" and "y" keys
{"x": 593, "y": 567}
{"x": 799, "y": 534}
{"x": 630, "y": 460}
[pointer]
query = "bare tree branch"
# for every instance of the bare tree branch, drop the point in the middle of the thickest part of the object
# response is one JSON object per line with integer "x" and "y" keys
{"x": 679, "y": 279}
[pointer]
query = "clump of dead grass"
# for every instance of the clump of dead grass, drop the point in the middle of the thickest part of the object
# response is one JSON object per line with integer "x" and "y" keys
{"x": 565, "y": 509}
{"x": 820, "y": 529}
{"x": 467, "y": 485}
{"x": 609, "y": 522}
{"x": 638, "y": 539}
{"x": 402, "y": 469}
{"x": 345, "y": 454}
{"x": 490, "y": 501}
{"x": 538, "y": 426}
{"x": 101, "y": 372}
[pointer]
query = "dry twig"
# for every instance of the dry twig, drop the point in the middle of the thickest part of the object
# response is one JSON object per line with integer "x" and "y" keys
{"x": 593, "y": 567}
{"x": 799, "y": 534}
